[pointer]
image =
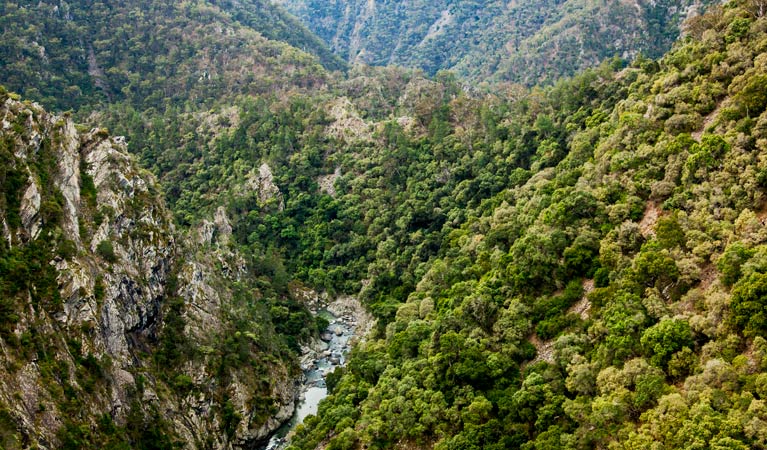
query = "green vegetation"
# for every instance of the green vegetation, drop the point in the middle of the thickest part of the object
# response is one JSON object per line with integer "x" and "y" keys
{"x": 137, "y": 64}
{"x": 526, "y": 41}
{"x": 151, "y": 54}
{"x": 577, "y": 266}
{"x": 106, "y": 251}
{"x": 661, "y": 351}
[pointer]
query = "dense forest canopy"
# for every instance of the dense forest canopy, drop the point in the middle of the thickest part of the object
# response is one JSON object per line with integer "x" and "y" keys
{"x": 527, "y": 41}
{"x": 580, "y": 265}
{"x": 608, "y": 294}
{"x": 154, "y": 54}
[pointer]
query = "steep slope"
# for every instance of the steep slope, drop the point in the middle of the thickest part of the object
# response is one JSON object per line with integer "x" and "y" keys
{"x": 116, "y": 329}
{"x": 276, "y": 24}
{"x": 213, "y": 359}
{"x": 527, "y": 41}
{"x": 151, "y": 54}
{"x": 549, "y": 268}
{"x": 68, "y": 324}
{"x": 613, "y": 298}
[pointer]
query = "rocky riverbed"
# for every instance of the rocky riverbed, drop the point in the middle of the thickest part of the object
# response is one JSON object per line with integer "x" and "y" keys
{"x": 348, "y": 322}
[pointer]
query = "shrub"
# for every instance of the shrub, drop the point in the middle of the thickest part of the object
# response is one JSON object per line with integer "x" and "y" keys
{"x": 106, "y": 251}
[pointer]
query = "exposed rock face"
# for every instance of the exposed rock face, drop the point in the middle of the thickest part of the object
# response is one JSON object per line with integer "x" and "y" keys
{"x": 219, "y": 230}
{"x": 263, "y": 184}
{"x": 327, "y": 183}
{"x": 285, "y": 396}
{"x": 68, "y": 178}
{"x": 108, "y": 307}
{"x": 347, "y": 124}
{"x": 114, "y": 283}
{"x": 210, "y": 268}
{"x": 30, "y": 208}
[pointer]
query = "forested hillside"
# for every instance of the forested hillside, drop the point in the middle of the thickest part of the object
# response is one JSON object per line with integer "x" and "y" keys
{"x": 576, "y": 266}
{"x": 153, "y": 54}
{"x": 120, "y": 331}
{"x": 611, "y": 294}
{"x": 526, "y": 41}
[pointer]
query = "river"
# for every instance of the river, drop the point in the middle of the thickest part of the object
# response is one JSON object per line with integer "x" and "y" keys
{"x": 328, "y": 354}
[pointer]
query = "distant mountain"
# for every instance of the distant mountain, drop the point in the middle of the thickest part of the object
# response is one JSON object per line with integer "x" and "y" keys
{"x": 528, "y": 41}
{"x": 581, "y": 265}
{"x": 276, "y": 24}
{"x": 71, "y": 54}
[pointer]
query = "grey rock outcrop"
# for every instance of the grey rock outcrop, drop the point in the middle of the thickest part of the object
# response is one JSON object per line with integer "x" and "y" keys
{"x": 107, "y": 307}
{"x": 114, "y": 283}
{"x": 262, "y": 183}
{"x": 30, "y": 209}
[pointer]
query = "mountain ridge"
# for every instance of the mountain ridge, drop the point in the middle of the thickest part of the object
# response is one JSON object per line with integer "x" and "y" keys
{"x": 149, "y": 54}
{"x": 570, "y": 266}
{"x": 526, "y": 41}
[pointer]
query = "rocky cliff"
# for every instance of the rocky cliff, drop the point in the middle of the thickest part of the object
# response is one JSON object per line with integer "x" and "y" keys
{"x": 112, "y": 328}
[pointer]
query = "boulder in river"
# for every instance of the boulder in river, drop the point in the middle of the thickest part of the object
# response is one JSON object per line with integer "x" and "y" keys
{"x": 326, "y": 336}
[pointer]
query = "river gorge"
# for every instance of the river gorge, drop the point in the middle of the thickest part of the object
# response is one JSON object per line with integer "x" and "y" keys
{"x": 348, "y": 322}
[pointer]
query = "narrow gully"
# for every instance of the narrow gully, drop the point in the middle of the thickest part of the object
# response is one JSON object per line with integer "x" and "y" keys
{"x": 335, "y": 345}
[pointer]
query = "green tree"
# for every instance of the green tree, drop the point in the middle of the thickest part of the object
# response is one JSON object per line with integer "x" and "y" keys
{"x": 731, "y": 261}
{"x": 665, "y": 338}
{"x": 749, "y": 304}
